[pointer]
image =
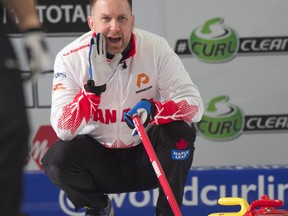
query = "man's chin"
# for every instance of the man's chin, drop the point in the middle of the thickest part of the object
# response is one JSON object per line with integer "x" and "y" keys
{"x": 113, "y": 52}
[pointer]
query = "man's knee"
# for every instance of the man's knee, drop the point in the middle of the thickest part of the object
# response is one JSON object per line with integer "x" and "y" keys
{"x": 173, "y": 132}
{"x": 55, "y": 161}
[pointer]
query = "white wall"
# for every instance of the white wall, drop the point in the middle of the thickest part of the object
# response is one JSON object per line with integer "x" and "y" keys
{"x": 256, "y": 83}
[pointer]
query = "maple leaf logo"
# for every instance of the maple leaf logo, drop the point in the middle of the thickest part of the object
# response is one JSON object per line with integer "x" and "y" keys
{"x": 182, "y": 144}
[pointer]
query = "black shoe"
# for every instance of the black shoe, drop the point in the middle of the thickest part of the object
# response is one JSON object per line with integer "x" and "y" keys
{"x": 108, "y": 211}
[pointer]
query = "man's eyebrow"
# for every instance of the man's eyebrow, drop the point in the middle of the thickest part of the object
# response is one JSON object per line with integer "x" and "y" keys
{"x": 104, "y": 14}
{"x": 123, "y": 14}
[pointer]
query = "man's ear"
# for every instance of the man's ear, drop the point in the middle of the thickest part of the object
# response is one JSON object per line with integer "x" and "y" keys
{"x": 90, "y": 22}
{"x": 133, "y": 21}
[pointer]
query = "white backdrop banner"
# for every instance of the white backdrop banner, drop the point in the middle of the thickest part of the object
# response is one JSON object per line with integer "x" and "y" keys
{"x": 235, "y": 52}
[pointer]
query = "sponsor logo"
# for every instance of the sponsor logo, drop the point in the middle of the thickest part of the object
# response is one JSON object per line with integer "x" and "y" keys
{"x": 223, "y": 120}
{"x": 59, "y": 86}
{"x": 266, "y": 123}
{"x": 60, "y": 18}
{"x": 76, "y": 49}
{"x": 214, "y": 42}
{"x": 59, "y": 75}
{"x": 142, "y": 79}
{"x": 144, "y": 89}
{"x": 197, "y": 193}
{"x": 156, "y": 168}
{"x": 262, "y": 184}
{"x": 44, "y": 138}
{"x": 181, "y": 153}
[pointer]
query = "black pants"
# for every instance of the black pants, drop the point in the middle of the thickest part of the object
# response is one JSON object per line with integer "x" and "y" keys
{"x": 14, "y": 131}
{"x": 85, "y": 169}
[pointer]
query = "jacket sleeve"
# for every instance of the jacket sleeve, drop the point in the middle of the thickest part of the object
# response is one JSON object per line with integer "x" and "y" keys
{"x": 72, "y": 106}
{"x": 181, "y": 97}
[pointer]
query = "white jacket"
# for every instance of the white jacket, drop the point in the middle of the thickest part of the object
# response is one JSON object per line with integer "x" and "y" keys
{"x": 153, "y": 72}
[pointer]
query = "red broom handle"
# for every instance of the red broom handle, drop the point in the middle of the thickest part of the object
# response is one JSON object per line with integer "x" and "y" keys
{"x": 157, "y": 166}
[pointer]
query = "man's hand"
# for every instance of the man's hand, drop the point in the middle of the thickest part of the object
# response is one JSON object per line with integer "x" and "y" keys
{"x": 144, "y": 109}
{"x": 38, "y": 54}
{"x": 102, "y": 71}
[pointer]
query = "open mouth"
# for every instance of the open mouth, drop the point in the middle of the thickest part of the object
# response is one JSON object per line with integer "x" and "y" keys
{"x": 114, "y": 40}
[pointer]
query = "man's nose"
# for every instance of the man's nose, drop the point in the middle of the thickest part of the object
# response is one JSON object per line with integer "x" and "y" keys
{"x": 114, "y": 25}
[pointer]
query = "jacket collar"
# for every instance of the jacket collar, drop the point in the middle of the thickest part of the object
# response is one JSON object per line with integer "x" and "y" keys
{"x": 132, "y": 50}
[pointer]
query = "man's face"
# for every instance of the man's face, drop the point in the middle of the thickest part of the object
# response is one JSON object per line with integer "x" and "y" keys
{"x": 112, "y": 18}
